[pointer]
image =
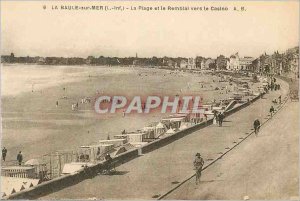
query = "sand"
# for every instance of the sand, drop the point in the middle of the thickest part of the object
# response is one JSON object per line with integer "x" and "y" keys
{"x": 32, "y": 122}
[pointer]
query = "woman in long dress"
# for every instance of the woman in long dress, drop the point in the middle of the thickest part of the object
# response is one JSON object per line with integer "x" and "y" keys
{"x": 215, "y": 117}
{"x": 215, "y": 120}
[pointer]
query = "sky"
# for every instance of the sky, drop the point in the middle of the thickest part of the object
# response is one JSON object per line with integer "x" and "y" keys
{"x": 27, "y": 29}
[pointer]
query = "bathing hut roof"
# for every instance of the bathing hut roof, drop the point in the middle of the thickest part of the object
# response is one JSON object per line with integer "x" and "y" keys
{"x": 180, "y": 114}
{"x": 136, "y": 134}
{"x": 172, "y": 119}
{"x": 160, "y": 125}
{"x": 96, "y": 145}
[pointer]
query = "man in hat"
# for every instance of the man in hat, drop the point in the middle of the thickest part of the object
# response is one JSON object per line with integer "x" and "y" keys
{"x": 4, "y": 152}
{"x": 272, "y": 110}
{"x": 20, "y": 158}
{"x": 109, "y": 163}
{"x": 256, "y": 125}
{"x": 198, "y": 164}
{"x": 221, "y": 117}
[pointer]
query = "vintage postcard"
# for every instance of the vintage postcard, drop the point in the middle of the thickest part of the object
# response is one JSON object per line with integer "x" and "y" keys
{"x": 150, "y": 100}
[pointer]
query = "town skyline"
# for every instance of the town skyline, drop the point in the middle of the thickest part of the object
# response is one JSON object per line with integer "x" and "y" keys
{"x": 136, "y": 55}
{"x": 151, "y": 56}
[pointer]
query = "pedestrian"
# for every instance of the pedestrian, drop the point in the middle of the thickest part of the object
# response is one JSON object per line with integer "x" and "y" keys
{"x": 198, "y": 164}
{"x": 20, "y": 158}
{"x": 279, "y": 99}
{"x": 272, "y": 110}
{"x": 98, "y": 154}
{"x": 221, "y": 117}
{"x": 56, "y": 103}
{"x": 108, "y": 158}
{"x": 215, "y": 119}
{"x": 256, "y": 126}
{"x": 205, "y": 116}
{"x": 123, "y": 113}
{"x": 4, "y": 152}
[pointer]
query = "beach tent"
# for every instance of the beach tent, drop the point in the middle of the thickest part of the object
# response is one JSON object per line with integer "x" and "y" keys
{"x": 183, "y": 126}
{"x": 160, "y": 128}
{"x": 170, "y": 131}
{"x": 32, "y": 162}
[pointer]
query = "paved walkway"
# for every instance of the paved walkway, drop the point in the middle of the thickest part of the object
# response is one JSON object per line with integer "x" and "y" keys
{"x": 263, "y": 168}
{"x": 157, "y": 172}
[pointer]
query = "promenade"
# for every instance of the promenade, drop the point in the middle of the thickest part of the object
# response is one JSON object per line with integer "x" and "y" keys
{"x": 155, "y": 173}
{"x": 263, "y": 168}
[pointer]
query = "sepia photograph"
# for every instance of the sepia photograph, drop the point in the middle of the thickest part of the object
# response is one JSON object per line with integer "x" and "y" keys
{"x": 149, "y": 100}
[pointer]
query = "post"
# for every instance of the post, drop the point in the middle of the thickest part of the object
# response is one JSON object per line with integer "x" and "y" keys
{"x": 140, "y": 151}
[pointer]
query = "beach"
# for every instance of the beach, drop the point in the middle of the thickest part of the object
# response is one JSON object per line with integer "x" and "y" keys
{"x": 33, "y": 124}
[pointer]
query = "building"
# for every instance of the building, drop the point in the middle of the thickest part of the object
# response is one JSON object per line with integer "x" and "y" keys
{"x": 191, "y": 63}
{"x": 183, "y": 63}
{"x": 245, "y": 63}
{"x": 208, "y": 62}
{"x": 234, "y": 62}
{"x": 255, "y": 66}
{"x": 169, "y": 62}
{"x": 221, "y": 62}
{"x": 294, "y": 65}
{"x": 199, "y": 62}
{"x": 276, "y": 63}
{"x": 237, "y": 63}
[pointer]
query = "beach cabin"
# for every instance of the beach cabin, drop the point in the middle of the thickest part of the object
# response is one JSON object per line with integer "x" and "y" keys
{"x": 160, "y": 129}
{"x": 150, "y": 130}
{"x": 136, "y": 137}
{"x": 173, "y": 122}
{"x": 93, "y": 153}
{"x": 154, "y": 130}
{"x": 197, "y": 117}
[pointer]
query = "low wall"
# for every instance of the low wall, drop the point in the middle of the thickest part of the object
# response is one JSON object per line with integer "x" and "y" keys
{"x": 69, "y": 180}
